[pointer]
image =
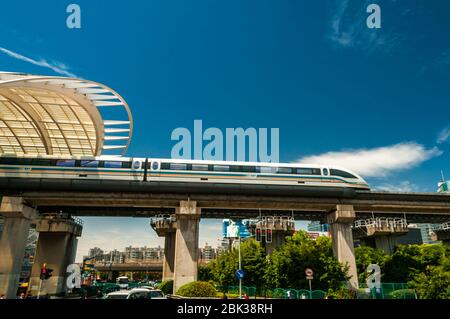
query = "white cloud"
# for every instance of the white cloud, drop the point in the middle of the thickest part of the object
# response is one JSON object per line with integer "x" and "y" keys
{"x": 377, "y": 162}
{"x": 443, "y": 135}
{"x": 402, "y": 187}
{"x": 57, "y": 67}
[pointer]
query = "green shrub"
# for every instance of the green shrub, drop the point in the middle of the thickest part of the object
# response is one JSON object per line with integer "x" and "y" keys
{"x": 403, "y": 294}
{"x": 166, "y": 287}
{"x": 197, "y": 289}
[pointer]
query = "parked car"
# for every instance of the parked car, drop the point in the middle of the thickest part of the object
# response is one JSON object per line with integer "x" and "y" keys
{"x": 154, "y": 293}
{"x": 137, "y": 293}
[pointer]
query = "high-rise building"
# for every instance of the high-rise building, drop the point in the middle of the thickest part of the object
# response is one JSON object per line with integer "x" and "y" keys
{"x": 318, "y": 227}
{"x": 152, "y": 253}
{"x": 95, "y": 252}
{"x": 207, "y": 253}
{"x": 223, "y": 247}
{"x": 133, "y": 254}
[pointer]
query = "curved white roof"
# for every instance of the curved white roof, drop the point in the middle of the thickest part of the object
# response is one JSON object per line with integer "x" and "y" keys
{"x": 59, "y": 116}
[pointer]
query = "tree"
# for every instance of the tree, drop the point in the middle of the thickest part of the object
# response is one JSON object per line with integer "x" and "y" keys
{"x": 434, "y": 281}
{"x": 286, "y": 265}
{"x": 223, "y": 269}
{"x": 407, "y": 261}
{"x": 365, "y": 256}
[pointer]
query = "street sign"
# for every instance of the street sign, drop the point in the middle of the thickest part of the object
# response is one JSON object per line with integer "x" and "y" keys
{"x": 309, "y": 272}
{"x": 240, "y": 274}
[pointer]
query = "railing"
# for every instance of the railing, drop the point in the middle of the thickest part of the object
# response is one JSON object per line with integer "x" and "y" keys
{"x": 271, "y": 221}
{"x": 61, "y": 217}
{"x": 444, "y": 226}
{"x": 382, "y": 222}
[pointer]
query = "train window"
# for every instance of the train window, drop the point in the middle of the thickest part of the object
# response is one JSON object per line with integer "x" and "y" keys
{"x": 284, "y": 170}
{"x": 199, "y": 167}
{"x": 308, "y": 171}
{"x": 248, "y": 169}
{"x": 89, "y": 163}
{"x": 65, "y": 163}
{"x": 112, "y": 164}
{"x": 338, "y": 172}
{"x": 41, "y": 162}
{"x": 15, "y": 161}
{"x": 126, "y": 164}
{"x": 266, "y": 169}
{"x": 178, "y": 166}
{"x": 165, "y": 166}
{"x": 325, "y": 171}
{"x": 221, "y": 168}
{"x": 8, "y": 160}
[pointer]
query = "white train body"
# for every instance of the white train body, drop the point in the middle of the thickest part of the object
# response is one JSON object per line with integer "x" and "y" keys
{"x": 177, "y": 171}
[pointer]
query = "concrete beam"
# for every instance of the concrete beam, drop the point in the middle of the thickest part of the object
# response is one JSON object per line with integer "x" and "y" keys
{"x": 340, "y": 221}
{"x": 186, "y": 244}
{"x": 12, "y": 242}
{"x": 427, "y": 203}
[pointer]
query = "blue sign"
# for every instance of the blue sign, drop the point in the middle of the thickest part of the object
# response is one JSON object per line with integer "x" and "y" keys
{"x": 240, "y": 274}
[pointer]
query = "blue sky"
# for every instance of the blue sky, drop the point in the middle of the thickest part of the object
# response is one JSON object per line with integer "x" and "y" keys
{"x": 373, "y": 100}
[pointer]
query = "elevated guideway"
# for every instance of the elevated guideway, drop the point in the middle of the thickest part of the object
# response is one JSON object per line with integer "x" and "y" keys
{"x": 416, "y": 207}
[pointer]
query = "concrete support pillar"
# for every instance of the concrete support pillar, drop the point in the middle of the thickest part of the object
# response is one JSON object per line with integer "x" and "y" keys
{"x": 385, "y": 243}
{"x": 169, "y": 256}
{"x": 186, "y": 244}
{"x": 341, "y": 220}
{"x": 57, "y": 245}
{"x": 12, "y": 242}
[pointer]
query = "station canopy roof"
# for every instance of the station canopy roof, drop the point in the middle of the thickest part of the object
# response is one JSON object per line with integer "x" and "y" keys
{"x": 50, "y": 115}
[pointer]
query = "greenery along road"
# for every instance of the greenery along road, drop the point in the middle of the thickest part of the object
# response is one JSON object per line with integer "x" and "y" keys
{"x": 426, "y": 268}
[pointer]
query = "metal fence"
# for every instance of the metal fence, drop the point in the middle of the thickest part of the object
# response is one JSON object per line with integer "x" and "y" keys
{"x": 290, "y": 293}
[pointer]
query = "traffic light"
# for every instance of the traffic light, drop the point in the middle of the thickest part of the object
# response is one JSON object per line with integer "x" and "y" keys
{"x": 43, "y": 271}
{"x": 268, "y": 235}
{"x": 258, "y": 234}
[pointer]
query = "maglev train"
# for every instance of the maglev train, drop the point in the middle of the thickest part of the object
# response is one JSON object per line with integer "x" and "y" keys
{"x": 172, "y": 174}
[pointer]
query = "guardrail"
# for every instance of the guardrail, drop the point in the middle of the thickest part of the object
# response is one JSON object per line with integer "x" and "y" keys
{"x": 381, "y": 222}
{"x": 271, "y": 221}
{"x": 444, "y": 226}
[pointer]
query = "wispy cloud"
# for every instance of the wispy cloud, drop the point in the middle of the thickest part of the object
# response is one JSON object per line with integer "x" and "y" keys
{"x": 57, "y": 67}
{"x": 443, "y": 135}
{"x": 377, "y": 162}
{"x": 402, "y": 187}
{"x": 348, "y": 29}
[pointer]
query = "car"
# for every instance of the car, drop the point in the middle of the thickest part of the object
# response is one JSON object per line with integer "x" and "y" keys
{"x": 154, "y": 293}
{"x": 137, "y": 293}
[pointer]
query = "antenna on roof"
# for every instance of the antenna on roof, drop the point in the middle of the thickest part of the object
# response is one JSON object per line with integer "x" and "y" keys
{"x": 442, "y": 175}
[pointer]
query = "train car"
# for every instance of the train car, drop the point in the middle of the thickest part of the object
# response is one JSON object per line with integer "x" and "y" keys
{"x": 160, "y": 174}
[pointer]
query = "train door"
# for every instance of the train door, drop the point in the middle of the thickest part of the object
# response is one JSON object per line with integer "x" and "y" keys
{"x": 325, "y": 174}
{"x": 136, "y": 168}
{"x": 155, "y": 167}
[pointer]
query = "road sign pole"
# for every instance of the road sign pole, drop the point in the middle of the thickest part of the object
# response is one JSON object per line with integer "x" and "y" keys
{"x": 310, "y": 289}
{"x": 240, "y": 279}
